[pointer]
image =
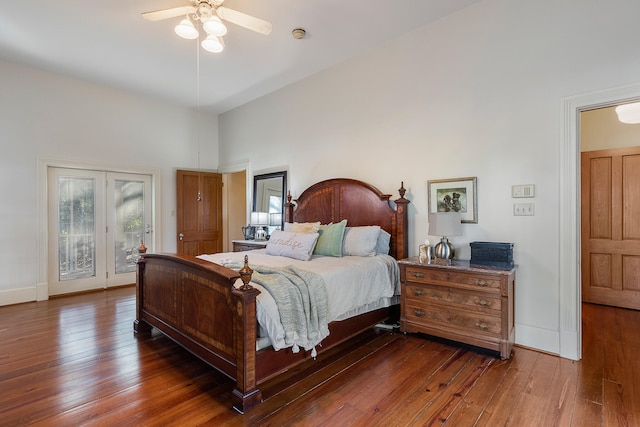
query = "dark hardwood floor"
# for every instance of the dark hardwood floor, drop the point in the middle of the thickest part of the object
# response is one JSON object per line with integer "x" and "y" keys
{"x": 74, "y": 361}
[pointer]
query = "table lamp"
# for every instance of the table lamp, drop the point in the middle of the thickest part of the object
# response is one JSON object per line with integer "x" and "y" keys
{"x": 444, "y": 224}
{"x": 260, "y": 220}
{"x": 275, "y": 220}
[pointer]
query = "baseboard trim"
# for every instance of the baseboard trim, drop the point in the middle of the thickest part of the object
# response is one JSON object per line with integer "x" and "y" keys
{"x": 18, "y": 296}
{"x": 540, "y": 339}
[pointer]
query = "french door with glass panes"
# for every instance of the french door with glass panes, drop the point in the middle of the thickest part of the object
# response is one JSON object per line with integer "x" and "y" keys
{"x": 97, "y": 222}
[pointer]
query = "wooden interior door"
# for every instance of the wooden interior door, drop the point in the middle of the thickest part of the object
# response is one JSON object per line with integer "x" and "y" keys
{"x": 199, "y": 213}
{"x": 610, "y": 198}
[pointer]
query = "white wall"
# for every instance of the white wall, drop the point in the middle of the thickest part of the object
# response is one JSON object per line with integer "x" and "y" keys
{"x": 479, "y": 93}
{"x": 48, "y": 116}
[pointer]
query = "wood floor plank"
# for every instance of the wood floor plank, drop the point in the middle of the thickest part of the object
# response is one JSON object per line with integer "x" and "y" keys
{"x": 466, "y": 414}
{"x": 354, "y": 381}
{"x": 615, "y": 413}
{"x": 332, "y": 362}
{"x": 500, "y": 408}
{"x": 449, "y": 398}
{"x": 587, "y": 414}
{"x": 590, "y": 374}
{"x": 78, "y": 390}
{"x": 389, "y": 390}
{"x": 550, "y": 394}
{"x": 346, "y": 415}
{"x": 421, "y": 392}
{"x": 74, "y": 360}
{"x": 561, "y": 407}
{"x": 474, "y": 402}
{"x": 319, "y": 381}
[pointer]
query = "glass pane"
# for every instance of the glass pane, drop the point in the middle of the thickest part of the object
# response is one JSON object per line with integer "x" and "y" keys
{"x": 77, "y": 234}
{"x": 129, "y": 233}
{"x": 275, "y": 204}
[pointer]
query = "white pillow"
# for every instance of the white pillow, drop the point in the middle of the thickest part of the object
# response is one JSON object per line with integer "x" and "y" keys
{"x": 292, "y": 245}
{"x": 302, "y": 227}
{"x": 361, "y": 241}
{"x": 384, "y": 243}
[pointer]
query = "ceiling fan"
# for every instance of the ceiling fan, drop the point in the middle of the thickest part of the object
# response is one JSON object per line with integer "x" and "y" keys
{"x": 210, "y": 13}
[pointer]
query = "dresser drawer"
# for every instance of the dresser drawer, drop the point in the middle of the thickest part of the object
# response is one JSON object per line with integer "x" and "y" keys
{"x": 248, "y": 245}
{"x": 419, "y": 294}
{"x": 476, "y": 323}
{"x": 239, "y": 247}
{"x": 432, "y": 276}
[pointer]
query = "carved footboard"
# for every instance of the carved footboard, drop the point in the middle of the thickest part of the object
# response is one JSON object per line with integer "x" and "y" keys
{"x": 195, "y": 303}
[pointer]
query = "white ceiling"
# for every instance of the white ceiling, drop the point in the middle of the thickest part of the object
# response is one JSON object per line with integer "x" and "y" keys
{"x": 108, "y": 42}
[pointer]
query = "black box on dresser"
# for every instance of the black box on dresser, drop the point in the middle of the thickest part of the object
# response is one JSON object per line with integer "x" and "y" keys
{"x": 495, "y": 254}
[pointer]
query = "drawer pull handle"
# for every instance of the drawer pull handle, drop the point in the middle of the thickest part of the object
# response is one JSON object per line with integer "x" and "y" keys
{"x": 482, "y": 326}
{"x": 483, "y": 302}
{"x": 482, "y": 283}
{"x": 419, "y": 313}
{"x": 418, "y": 275}
{"x": 418, "y": 292}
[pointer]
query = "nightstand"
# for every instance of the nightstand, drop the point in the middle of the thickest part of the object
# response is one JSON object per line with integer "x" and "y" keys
{"x": 473, "y": 304}
{"x": 248, "y": 245}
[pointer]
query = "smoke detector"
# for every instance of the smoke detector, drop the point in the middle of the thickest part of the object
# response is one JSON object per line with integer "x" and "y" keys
{"x": 298, "y": 33}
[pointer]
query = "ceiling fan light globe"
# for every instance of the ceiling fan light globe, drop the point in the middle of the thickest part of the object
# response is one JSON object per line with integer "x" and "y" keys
{"x": 186, "y": 30}
{"x": 213, "y": 44}
{"x": 214, "y": 26}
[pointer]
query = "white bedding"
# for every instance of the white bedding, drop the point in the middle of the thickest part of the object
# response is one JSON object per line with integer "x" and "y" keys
{"x": 354, "y": 284}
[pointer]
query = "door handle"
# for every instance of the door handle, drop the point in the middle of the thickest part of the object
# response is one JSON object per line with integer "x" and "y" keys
{"x": 147, "y": 228}
{"x": 181, "y": 236}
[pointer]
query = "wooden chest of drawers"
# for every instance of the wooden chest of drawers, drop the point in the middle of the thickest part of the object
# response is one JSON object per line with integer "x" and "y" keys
{"x": 460, "y": 302}
{"x": 248, "y": 245}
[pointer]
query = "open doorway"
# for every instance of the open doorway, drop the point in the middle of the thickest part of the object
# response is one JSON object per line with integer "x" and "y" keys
{"x": 234, "y": 202}
{"x": 570, "y": 334}
{"x": 610, "y": 209}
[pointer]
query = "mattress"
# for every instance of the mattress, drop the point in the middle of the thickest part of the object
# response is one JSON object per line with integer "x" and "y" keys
{"x": 355, "y": 285}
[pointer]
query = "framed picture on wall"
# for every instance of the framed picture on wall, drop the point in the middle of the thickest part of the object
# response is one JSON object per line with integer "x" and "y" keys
{"x": 454, "y": 195}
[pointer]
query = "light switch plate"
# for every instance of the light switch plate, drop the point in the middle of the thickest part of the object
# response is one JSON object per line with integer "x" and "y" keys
{"x": 518, "y": 191}
{"x": 524, "y": 209}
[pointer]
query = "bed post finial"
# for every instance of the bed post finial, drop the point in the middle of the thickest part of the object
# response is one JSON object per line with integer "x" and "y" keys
{"x": 288, "y": 208}
{"x": 245, "y": 274}
{"x": 402, "y": 225}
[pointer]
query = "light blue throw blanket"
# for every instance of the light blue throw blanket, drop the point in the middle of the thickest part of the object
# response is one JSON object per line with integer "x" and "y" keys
{"x": 301, "y": 297}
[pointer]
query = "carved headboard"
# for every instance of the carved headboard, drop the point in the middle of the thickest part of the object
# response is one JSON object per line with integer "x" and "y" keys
{"x": 333, "y": 200}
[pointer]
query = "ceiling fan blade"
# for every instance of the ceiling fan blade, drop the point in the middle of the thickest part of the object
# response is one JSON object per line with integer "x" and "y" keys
{"x": 159, "y": 15}
{"x": 247, "y": 21}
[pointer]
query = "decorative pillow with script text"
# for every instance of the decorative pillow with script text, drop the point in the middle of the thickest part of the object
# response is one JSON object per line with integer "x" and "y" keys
{"x": 292, "y": 245}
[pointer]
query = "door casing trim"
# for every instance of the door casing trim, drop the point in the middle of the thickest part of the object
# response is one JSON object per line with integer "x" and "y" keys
{"x": 569, "y": 263}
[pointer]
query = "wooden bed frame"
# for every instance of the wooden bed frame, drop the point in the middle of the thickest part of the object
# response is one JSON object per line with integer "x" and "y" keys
{"x": 195, "y": 302}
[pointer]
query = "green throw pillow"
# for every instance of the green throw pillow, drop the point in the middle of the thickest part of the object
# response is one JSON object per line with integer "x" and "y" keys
{"x": 330, "y": 240}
